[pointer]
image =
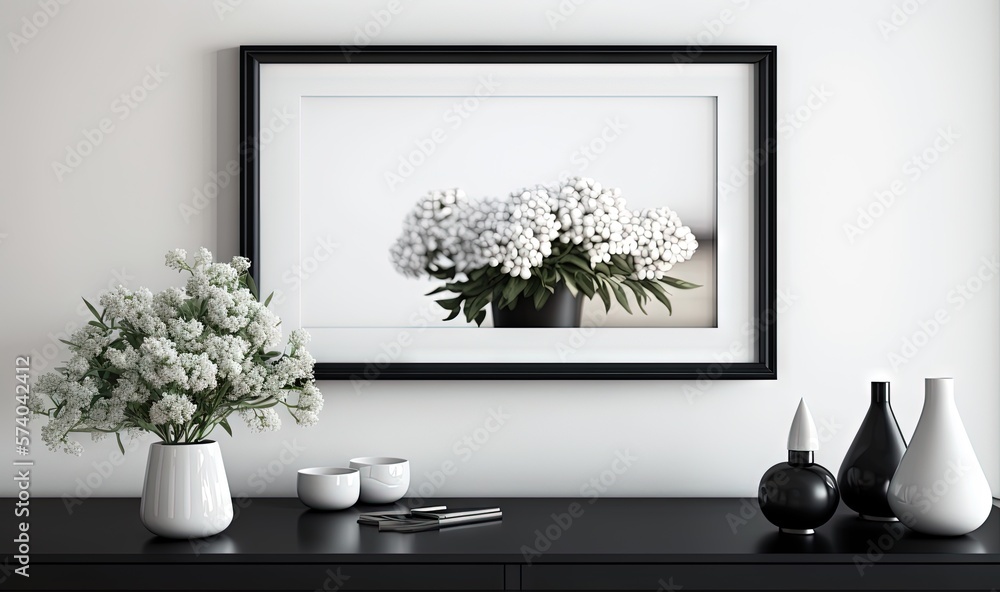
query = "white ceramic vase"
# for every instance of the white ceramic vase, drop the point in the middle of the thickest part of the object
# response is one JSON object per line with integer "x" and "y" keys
{"x": 186, "y": 494}
{"x": 939, "y": 487}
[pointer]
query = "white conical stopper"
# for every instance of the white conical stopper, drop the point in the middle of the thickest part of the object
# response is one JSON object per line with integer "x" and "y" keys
{"x": 803, "y": 436}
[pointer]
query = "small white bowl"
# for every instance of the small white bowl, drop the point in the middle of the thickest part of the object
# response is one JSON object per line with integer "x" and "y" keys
{"x": 384, "y": 479}
{"x": 329, "y": 488}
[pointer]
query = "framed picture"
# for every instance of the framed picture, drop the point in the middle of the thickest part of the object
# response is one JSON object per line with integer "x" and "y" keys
{"x": 528, "y": 212}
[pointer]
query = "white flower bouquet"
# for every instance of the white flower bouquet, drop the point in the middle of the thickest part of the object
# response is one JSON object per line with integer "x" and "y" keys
{"x": 178, "y": 363}
{"x": 521, "y": 247}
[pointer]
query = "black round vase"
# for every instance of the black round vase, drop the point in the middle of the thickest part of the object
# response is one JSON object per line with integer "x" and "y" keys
{"x": 872, "y": 459}
{"x": 561, "y": 310}
{"x": 798, "y": 496}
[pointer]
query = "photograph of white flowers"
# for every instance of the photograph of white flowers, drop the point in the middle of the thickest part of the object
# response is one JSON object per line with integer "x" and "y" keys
{"x": 509, "y": 213}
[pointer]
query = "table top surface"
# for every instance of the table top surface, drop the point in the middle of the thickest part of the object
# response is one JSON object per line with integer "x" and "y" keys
{"x": 533, "y": 530}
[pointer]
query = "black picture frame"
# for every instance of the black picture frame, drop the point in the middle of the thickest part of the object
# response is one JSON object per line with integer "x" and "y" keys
{"x": 764, "y": 61}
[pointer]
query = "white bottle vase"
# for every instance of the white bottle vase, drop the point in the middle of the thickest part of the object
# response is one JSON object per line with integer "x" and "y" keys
{"x": 939, "y": 487}
{"x": 186, "y": 494}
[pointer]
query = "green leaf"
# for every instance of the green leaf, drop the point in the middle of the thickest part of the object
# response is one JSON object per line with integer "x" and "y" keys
{"x": 513, "y": 288}
{"x": 225, "y": 425}
{"x": 93, "y": 311}
{"x": 454, "y": 313}
{"x": 679, "y": 284}
{"x": 640, "y": 294}
{"x": 269, "y": 297}
{"x": 541, "y": 297}
{"x": 451, "y": 303}
{"x": 585, "y": 283}
{"x": 566, "y": 277}
{"x": 120, "y": 445}
{"x": 660, "y": 294}
{"x": 470, "y": 312}
{"x": 534, "y": 285}
{"x": 602, "y": 290}
{"x": 480, "y": 318}
{"x": 602, "y": 268}
{"x": 442, "y": 273}
{"x": 621, "y": 297}
{"x": 621, "y": 262}
{"x": 475, "y": 305}
{"x": 444, "y": 288}
{"x": 252, "y": 287}
{"x": 578, "y": 261}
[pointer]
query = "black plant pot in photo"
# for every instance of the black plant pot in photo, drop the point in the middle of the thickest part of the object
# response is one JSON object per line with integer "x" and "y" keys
{"x": 561, "y": 310}
{"x": 872, "y": 459}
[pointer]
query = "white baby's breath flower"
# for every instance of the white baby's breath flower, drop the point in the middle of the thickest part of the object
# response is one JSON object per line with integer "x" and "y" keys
{"x": 298, "y": 338}
{"x": 203, "y": 258}
{"x": 123, "y": 359}
{"x": 77, "y": 367}
{"x": 177, "y": 259}
{"x": 160, "y": 358}
{"x": 240, "y": 264}
{"x": 516, "y": 234}
{"x": 201, "y": 372}
{"x": 261, "y": 420}
{"x": 159, "y": 364}
{"x": 172, "y": 409}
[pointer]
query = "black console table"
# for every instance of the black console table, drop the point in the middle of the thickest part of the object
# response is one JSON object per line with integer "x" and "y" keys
{"x": 542, "y": 544}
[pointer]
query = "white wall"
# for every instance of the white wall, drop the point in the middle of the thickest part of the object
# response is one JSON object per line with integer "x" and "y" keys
{"x": 884, "y": 98}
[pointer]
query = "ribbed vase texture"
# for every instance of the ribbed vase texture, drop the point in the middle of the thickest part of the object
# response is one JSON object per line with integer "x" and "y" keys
{"x": 186, "y": 493}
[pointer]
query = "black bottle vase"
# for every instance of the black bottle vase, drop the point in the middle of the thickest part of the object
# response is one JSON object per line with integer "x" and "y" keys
{"x": 799, "y": 496}
{"x": 872, "y": 459}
